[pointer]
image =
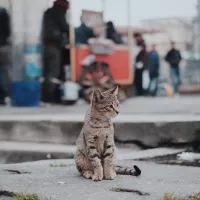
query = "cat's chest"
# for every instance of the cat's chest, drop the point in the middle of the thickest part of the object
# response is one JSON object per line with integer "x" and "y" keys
{"x": 102, "y": 138}
{"x": 103, "y": 131}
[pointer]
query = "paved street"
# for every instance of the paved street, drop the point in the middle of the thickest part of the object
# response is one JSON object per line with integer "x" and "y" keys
{"x": 182, "y": 105}
{"x": 48, "y": 181}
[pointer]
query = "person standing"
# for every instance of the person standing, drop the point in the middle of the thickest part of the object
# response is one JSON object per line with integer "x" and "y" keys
{"x": 5, "y": 58}
{"x": 154, "y": 66}
{"x": 140, "y": 63}
{"x": 112, "y": 34}
{"x": 83, "y": 33}
{"x": 55, "y": 36}
{"x": 174, "y": 58}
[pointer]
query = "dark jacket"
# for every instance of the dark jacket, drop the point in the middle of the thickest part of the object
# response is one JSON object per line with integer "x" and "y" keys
{"x": 142, "y": 56}
{"x": 112, "y": 34}
{"x": 154, "y": 63}
{"x": 173, "y": 57}
{"x": 5, "y": 31}
{"x": 55, "y": 26}
{"x": 83, "y": 33}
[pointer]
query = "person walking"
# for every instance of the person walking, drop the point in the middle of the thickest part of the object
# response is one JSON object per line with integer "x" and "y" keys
{"x": 154, "y": 66}
{"x": 174, "y": 58}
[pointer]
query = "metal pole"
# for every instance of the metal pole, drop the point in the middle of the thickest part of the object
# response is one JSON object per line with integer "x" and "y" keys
{"x": 130, "y": 40}
{"x": 72, "y": 44}
{"x": 198, "y": 26}
{"x": 103, "y": 7}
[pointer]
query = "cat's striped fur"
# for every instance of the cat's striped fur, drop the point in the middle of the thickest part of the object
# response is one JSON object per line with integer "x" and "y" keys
{"x": 95, "y": 155}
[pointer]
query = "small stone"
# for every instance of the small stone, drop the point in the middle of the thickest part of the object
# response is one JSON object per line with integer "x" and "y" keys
{"x": 61, "y": 183}
{"x": 49, "y": 156}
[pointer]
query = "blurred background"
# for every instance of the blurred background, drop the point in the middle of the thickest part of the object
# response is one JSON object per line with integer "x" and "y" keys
{"x": 55, "y": 53}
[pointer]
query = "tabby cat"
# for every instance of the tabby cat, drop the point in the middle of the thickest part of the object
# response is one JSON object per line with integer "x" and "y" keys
{"x": 95, "y": 155}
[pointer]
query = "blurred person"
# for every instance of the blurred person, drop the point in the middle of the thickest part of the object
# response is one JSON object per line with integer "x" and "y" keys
{"x": 55, "y": 38}
{"x": 5, "y": 59}
{"x": 174, "y": 58}
{"x": 154, "y": 66}
{"x": 112, "y": 34}
{"x": 140, "y": 63}
{"x": 83, "y": 33}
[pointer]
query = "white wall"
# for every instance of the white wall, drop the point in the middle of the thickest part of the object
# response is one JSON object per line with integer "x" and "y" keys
{"x": 26, "y": 18}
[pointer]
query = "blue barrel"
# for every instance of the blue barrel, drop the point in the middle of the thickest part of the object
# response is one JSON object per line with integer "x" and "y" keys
{"x": 26, "y": 94}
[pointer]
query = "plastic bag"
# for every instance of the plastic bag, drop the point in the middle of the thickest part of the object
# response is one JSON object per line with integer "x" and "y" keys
{"x": 145, "y": 77}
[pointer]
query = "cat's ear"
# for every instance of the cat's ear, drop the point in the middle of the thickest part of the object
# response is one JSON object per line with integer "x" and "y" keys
{"x": 97, "y": 96}
{"x": 113, "y": 91}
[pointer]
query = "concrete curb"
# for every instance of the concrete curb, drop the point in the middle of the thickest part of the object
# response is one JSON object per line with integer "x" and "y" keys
{"x": 17, "y": 152}
{"x": 148, "y": 131}
{"x": 122, "y": 118}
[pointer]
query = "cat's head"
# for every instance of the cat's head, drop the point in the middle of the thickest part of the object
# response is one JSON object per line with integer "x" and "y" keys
{"x": 106, "y": 103}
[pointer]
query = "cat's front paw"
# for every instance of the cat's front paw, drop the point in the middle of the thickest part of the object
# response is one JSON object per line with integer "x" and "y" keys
{"x": 88, "y": 174}
{"x": 110, "y": 175}
{"x": 98, "y": 175}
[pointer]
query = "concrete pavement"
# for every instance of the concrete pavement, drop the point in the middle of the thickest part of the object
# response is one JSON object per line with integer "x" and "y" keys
{"x": 64, "y": 183}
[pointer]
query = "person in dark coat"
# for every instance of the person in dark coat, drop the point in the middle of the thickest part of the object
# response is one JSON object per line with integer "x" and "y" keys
{"x": 83, "y": 33}
{"x": 112, "y": 34}
{"x": 140, "y": 64}
{"x": 174, "y": 58}
{"x": 154, "y": 66}
{"x": 5, "y": 58}
{"x": 55, "y": 36}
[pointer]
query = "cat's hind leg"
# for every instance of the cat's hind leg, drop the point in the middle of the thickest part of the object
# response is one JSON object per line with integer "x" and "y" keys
{"x": 83, "y": 165}
{"x": 109, "y": 162}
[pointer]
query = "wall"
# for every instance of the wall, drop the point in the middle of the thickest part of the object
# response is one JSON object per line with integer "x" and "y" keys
{"x": 26, "y": 26}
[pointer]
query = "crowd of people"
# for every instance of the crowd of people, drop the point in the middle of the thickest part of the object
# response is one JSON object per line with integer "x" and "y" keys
{"x": 150, "y": 61}
{"x": 55, "y": 38}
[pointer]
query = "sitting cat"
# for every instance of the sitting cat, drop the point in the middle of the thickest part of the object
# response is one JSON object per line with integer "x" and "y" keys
{"x": 95, "y": 155}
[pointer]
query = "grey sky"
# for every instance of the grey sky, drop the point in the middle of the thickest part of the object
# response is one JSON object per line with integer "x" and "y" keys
{"x": 116, "y": 10}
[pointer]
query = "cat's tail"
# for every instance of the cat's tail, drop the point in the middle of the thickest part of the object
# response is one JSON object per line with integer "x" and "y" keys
{"x": 135, "y": 171}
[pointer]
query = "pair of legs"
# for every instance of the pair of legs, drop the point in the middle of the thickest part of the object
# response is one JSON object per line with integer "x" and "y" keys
{"x": 5, "y": 65}
{"x": 54, "y": 60}
{"x": 139, "y": 82}
{"x": 153, "y": 85}
{"x": 175, "y": 78}
{"x": 52, "y": 65}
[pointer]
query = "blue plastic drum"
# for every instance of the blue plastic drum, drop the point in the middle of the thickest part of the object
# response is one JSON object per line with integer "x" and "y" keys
{"x": 26, "y": 94}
